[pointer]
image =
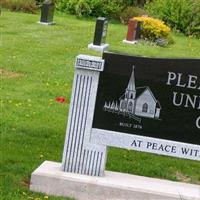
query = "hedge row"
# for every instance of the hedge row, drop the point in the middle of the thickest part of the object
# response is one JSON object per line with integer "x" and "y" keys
{"x": 28, "y": 6}
{"x": 108, "y": 8}
{"x": 181, "y": 15}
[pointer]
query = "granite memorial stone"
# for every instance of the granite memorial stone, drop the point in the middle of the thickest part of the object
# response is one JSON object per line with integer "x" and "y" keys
{"x": 154, "y": 103}
{"x": 47, "y": 12}
{"x": 138, "y": 103}
{"x": 100, "y": 34}
{"x": 134, "y": 32}
{"x": 100, "y": 31}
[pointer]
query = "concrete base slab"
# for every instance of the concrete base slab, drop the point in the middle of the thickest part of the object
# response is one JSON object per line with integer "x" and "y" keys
{"x": 49, "y": 179}
{"x": 47, "y": 23}
{"x": 101, "y": 48}
{"x": 130, "y": 42}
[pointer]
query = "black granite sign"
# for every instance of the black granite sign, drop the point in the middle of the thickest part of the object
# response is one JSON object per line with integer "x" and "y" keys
{"x": 100, "y": 31}
{"x": 154, "y": 97}
{"x": 47, "y": 12}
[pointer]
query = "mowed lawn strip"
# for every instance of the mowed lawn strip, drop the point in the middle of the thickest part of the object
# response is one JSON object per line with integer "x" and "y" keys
{"x": 37, "y": 65}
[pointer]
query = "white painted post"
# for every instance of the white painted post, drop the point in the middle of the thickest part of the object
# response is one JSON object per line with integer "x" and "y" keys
{"x": 79, "y": 155}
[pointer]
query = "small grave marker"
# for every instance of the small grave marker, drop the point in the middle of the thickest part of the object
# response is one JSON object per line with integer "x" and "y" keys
{"x": 99, "y": 43}
{"x": 134, "y": 32}
{"x": 47, "y": 12}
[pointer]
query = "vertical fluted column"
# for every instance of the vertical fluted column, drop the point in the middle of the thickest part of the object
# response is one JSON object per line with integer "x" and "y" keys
{"x": 79, "y": 155}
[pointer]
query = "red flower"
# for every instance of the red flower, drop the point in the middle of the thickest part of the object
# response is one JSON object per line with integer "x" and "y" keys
{"x": 60, "y": 99}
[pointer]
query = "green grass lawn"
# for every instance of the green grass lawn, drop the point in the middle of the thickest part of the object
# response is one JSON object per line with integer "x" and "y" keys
{"x": 37, "y": 65}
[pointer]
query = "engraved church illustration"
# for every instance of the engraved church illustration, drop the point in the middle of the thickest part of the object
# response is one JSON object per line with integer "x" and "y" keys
{"x": 135, "y": 102}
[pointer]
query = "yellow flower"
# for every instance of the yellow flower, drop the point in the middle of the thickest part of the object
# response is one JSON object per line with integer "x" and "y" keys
{"x": 46, "y": 197}
{"x": 153, "y": 28}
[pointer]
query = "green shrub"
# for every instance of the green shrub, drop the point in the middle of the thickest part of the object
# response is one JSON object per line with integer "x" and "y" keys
{"x": 28, "y": 6}
{"x": 112, "y": 8}
{"x": 82, "y": 8}
{"x": 68, "y": 6}
{"x": 130, "y": 12}
{"x": 39, "y": 2}
{"x": 182, "y": 15}
{"x": 108, "y": 8}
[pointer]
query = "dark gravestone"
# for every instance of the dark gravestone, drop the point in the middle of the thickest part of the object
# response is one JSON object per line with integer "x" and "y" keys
{"x": 47, "y": 12}
{"x": 99, "y": 42}
{"x": 134, "y": 31}
{"x": 100, "y": 31}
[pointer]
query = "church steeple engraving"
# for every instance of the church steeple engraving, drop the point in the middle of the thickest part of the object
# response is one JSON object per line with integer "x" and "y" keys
{"x": 136, "y": 102}
{"x": 128, "y": 103}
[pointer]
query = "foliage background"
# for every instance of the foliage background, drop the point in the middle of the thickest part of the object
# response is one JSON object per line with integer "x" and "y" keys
{"x": 181, "y": 15}
{"x": 28, "y": 6}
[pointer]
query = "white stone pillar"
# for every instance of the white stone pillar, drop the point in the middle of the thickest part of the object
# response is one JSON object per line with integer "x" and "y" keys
{"x": 79, "y": 155}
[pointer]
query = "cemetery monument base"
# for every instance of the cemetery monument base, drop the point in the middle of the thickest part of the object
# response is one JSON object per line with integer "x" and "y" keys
{"x": 47, "y": 23}
{"x": 101, "y": 48}
{"x": 50, "y": 179}
{"x": 130, "y": 42}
